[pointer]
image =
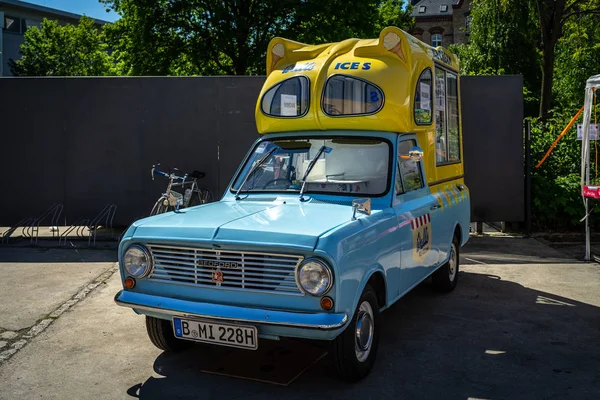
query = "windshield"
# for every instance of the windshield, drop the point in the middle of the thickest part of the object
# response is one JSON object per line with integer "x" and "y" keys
{"x": 346, "y": 165}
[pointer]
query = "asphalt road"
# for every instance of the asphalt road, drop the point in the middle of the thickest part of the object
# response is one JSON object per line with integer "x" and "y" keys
{"x": 523, "y": 323}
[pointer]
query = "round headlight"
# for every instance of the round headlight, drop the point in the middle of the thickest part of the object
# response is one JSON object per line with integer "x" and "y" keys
{"x": 314, "y": 277}
{"x": 137, "y": 261}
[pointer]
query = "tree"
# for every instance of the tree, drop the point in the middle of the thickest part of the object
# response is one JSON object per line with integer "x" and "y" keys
{"x": 504, "y": 39}
{"x": 553, "y": 14}
{"x": 57, "y": 50}
{"x": 577, "y": 58}
{"x": 188, "y": 37}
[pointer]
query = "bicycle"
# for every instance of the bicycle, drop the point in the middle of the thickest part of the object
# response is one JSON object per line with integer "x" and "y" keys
{"x": 173, "y": 200}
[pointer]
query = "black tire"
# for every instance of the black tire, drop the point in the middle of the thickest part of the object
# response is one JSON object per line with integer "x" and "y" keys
{"x": 207, "y": 196}
{"x": 160, "y": 332}
{"x": 195, "y": 200}
{"x": 445, "y": 278}
{"x": 346, "y": 347}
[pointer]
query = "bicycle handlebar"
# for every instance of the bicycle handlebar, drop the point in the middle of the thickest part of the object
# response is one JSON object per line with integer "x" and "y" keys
{"x": 170, "y": 176}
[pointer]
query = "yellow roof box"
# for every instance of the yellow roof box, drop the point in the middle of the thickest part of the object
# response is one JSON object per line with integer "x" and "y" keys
{"x": 357, "y": 84}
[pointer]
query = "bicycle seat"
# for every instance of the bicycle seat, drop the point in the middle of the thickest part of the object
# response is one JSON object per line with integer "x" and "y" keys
{"x": 196, "y": 175}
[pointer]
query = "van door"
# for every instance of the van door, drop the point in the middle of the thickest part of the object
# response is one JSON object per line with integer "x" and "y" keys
{"x": 413, "y": 207}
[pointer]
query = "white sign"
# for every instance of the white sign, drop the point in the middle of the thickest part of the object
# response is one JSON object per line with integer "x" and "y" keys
{"x": 425, "y": 97}
{"x": 289, "y": 105}
{"x": 593, "y": 131}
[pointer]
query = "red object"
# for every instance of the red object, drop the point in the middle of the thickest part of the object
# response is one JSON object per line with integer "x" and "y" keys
{"x": 591, "y": 192}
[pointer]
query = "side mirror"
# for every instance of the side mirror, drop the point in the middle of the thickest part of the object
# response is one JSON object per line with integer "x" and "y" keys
{"x": 361, "y": 205}
{"x": 415, "y": 154}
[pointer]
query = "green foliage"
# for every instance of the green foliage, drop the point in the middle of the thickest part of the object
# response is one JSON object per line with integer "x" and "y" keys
{"x": 208, "y": 37}
{"x": 503, "y": 40}
{"x": 69, "y": 50}
{"x": 577, "y": 58}
{"x": 556, "y": 190}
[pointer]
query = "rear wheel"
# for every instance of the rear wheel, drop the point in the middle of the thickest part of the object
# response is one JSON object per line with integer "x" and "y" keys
{"x": 355, "y": 350}
{"x": 207, "y": 196}
{"x": 160, "y": 332}
{"x": 446, "y": 277}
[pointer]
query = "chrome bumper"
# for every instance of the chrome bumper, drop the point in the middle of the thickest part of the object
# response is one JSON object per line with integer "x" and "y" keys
{"x": 192, "y": 309}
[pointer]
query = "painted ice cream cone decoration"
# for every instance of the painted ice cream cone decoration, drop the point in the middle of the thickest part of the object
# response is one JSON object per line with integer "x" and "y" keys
{"x": 392, "y": 43}
{"x": 277, "y": 54}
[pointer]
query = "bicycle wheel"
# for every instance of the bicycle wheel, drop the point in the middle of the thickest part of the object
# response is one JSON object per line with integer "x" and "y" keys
{"x": 159, "y": 206}
{"x": 207, "y": 196}
{"x": 195, "y": 200}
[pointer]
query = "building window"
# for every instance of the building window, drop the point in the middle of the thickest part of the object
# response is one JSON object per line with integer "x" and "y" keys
{"x": 12, "y": 24}
{"x": 422, "y": 9}
{"x": 468, "y": 23}
{"x": 436, "y": 39}
{"x": 444, "y": 8}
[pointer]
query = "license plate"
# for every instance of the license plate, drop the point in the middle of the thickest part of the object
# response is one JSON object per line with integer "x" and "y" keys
{"x": 242, "y": 336}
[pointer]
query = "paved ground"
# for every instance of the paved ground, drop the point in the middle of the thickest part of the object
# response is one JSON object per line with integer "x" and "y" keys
{"x": 524, "y": 322}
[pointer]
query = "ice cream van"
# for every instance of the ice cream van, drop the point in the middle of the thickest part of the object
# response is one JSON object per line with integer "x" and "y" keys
{"x": 352, "y": 196}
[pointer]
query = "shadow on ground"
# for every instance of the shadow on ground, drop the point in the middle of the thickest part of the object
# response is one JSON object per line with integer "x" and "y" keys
{"x": 490, "y": 338}
{"x": 55, "y": 255}
{"x": 508, "y": 250}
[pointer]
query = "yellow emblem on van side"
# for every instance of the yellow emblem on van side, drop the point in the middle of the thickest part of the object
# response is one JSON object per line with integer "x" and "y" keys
{"x": 421, "y": 233}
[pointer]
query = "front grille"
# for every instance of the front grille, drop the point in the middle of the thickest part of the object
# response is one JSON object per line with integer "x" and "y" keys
{"x": 225, "y": 269}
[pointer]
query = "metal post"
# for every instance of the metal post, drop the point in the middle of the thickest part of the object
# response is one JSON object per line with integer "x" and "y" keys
{"x": 587, "y": 233}
{"x": 587, "y": 256}
{"x": 1, "y": 43}
{"x": 528, "y": 211}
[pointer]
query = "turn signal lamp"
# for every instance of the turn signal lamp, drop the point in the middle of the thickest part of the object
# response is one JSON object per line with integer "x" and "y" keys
{"x": 326, "y": 303}
{"x": 129, "y": 282}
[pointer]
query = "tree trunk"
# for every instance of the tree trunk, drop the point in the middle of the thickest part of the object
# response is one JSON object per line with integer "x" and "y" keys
{"x": 547, "y": 79}
{"x": 551, "y": 24}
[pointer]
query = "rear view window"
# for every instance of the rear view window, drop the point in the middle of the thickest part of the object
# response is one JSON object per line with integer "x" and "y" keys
{"x": 287, "y": 99}
{"x": 345, "y": 95}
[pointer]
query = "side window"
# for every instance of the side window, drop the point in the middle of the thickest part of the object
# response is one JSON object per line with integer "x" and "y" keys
{"x": 409, "y": 172}
{"x": 423, "y": 99}
{"x": 447, "y": 129}
{"x": 453, "y": 121}
{"x": 345, "y": 95}
{"x": 441, "y": 155}
{"x": 287, "y": 99}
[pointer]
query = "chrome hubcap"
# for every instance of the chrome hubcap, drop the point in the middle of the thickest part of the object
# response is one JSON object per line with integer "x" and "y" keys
{"x": 364, "y": 331}
{"x": 452, "y": 263}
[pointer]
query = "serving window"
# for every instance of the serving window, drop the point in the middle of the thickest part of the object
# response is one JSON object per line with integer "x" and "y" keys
{"x": 346, "y": 95}
{"x": 289, "y": 98}
{"x": 447, "y": 129}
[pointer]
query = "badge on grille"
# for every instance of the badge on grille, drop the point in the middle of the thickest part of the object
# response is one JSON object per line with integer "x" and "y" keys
{"x": 217, "y": 277}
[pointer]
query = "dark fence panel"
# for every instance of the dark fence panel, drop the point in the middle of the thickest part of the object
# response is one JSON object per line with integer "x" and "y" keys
{"x": 86, "y": 142}
{"x": 492, "y": 117}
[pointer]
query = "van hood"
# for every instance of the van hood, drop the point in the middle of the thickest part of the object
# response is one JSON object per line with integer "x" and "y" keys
{"x": 248, "y": 222}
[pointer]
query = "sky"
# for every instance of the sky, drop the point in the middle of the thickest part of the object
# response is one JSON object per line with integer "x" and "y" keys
{"x": 91, "y": 8}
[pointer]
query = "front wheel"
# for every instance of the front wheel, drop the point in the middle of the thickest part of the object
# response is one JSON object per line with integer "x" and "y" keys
{"x": 160, "y": 206}
{"x": 446, "y": 277}
{"x": 160, "y": 332}
{"x": 354, "y": 351}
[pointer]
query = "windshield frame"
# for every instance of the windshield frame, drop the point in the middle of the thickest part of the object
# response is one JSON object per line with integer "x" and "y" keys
{"x": 310, "y": 192}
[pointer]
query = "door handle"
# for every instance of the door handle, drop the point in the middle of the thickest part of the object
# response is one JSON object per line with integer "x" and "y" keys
{"x": 460, "y": 187}
{"x": 435, "y": 206}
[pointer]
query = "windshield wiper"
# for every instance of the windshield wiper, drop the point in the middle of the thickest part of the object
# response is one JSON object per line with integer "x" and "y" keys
{"x": 310, "y": 167}
{"x": 253, "y": 169}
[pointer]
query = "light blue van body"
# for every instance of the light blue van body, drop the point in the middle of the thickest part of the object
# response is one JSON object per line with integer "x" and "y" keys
{"x": 377, "y": 248}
